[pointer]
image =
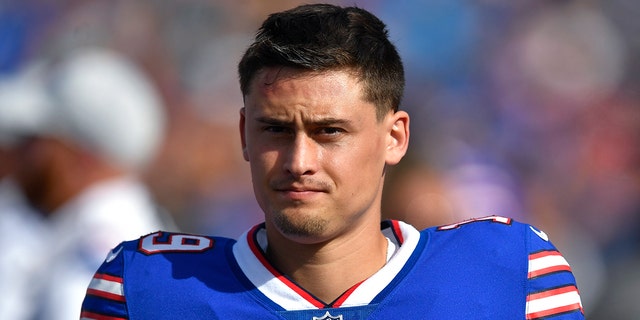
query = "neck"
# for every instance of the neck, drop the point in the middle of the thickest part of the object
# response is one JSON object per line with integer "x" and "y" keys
{"x": 329, "y": 269}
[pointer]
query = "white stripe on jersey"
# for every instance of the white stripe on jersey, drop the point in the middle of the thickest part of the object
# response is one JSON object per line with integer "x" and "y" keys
{"x": 553, "y": 301}
{"x": 106, "y": 286}
{"x": 547, "y": 262}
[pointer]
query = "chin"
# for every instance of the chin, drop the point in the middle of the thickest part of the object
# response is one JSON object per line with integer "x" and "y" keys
{"x": 301, "y": 227}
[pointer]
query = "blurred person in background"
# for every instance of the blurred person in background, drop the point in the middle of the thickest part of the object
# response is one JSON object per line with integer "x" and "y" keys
{"x": 101, "y": 125}
{"x": 23, "y": 232}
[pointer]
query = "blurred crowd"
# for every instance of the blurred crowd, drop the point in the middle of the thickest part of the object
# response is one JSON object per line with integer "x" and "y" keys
{"x": 527, "y": 109}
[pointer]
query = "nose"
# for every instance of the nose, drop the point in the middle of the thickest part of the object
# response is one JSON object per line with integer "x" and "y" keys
{"x": 302, "y": 156}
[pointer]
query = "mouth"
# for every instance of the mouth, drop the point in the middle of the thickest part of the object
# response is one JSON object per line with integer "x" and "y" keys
{"x": 300, "y": 192}
{"x": 299, "y": 195}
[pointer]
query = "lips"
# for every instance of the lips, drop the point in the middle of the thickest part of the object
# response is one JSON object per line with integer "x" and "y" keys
{"x": 298, "y": 190}
{"x": 299, "y": 193}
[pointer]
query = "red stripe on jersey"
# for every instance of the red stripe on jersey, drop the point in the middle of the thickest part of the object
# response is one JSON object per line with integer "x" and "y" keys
{"x": 260, "y": 255}
{"x": 546, "y": 262}
{"x": 552, "y": 292}
{"x": 106, "y": 286}
{"x": 558, "y": 302}
{"x": 549, "y": 270}
{"x": 345, "y": 295}
{"x": 542, "y": 254}
{"x": 107, "y": 277}
{"x": 554, "y": 311}
{"x": 397, "y": 231}
{"x": 94, "y": 316}
{"x": 106, "y": 295}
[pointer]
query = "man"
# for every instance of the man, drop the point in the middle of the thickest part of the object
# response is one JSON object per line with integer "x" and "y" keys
{"x": 319, "y": 127}
{"x": 99, "y": 121}
{"x": 23, "y": 232}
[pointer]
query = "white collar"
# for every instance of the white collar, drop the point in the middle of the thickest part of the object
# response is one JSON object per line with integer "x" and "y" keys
{"x": 249, "y": 253}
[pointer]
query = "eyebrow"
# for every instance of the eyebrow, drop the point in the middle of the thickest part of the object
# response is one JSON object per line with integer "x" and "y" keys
{"x": 319, "y": 122}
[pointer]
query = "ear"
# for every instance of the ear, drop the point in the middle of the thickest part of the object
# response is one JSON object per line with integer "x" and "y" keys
{"x": 243, "y": 139}
{"x": 398, "y": 139}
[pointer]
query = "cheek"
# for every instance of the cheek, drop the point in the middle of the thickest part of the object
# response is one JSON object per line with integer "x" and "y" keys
{"x": 263, "y": 163}
{"x": 359, "y": 166}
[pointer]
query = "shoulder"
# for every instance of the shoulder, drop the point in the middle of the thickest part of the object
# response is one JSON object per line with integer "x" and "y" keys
{"x": 494, "y": 236}
{"x": 167, "y": 262}
{"x": 162, "y": 249}
{"x": 491, "y": 228}
{"x": 164, "y": 243}
{"x": 523, "y": 253}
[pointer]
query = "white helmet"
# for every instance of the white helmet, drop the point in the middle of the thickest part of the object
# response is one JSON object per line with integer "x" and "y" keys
{"x": 103, "y": 102}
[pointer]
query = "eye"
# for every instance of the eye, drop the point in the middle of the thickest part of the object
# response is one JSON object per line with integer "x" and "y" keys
{"x": 330, "y": 131}
{"x": 276, "y": 129}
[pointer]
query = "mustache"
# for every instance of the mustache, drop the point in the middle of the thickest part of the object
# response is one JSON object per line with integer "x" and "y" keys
{"x": 307, "y": 184}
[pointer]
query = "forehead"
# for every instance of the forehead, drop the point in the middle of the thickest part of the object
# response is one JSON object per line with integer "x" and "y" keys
{"x": 274, "y": 78}
{"x": 292, "y": 89}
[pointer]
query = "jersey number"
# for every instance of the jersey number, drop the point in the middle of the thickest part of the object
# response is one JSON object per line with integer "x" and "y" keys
{"x": 160, "y": 242}
{"x": 496, "y": 219}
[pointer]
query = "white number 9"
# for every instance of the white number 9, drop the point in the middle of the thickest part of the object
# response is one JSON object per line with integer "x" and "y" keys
{"x": 174, "y": 242}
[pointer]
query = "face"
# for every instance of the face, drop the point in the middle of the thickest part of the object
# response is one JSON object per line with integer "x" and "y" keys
{"x": 317, "y": 152}
{"x": 37, "y": 169}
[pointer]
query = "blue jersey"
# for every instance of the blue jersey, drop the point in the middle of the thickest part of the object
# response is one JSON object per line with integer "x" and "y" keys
{"x": 488, "y": 268}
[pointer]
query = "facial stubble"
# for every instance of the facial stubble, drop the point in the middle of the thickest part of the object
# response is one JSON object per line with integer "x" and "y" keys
{"x": 309, "y": 226}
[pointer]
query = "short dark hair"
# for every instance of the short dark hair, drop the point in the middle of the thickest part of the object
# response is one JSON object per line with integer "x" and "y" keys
{"x": 322, "y": 37}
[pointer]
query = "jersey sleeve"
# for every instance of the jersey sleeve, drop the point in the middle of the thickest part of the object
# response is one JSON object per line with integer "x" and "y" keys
{"x": 105, "y": 298}
{"x": 552, "y": 292}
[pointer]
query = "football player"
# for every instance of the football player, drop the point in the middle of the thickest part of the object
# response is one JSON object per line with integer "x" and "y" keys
{"x": 320, "y": 126}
